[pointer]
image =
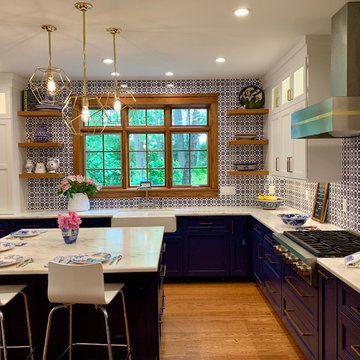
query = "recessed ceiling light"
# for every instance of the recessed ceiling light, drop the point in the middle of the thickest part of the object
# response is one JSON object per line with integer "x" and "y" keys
{"x": 169, "y": 73}
{"x": 220, "y": 60}
{"x": 241, "y": 12}
{"x": 108, "y": 61}
{"x": 170, "y": 85}
{"x": 115, "y": 74}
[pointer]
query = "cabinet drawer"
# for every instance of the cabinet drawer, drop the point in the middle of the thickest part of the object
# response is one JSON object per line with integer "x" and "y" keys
{"x": 271, "y": 258}
{"x": 213, "y": 223}
{"x": 304, "y": 295}
{"x": 32, "y": 224}
{"x": 349, "y": 302}
{"x": 272, "y": 287}
{"x": 305, "y": 334}
{"x": 95, "y": 222}
{"x": 348, "y": 338}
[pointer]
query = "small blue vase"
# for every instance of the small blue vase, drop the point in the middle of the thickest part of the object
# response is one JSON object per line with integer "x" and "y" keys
{"x": 70, "y": 235}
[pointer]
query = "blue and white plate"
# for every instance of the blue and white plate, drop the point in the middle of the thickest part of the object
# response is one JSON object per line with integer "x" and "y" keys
{"x": 90, "y": 258}
{"x": 4, "y": 246}
{"x": 10, "y": 260}
{"x": 25, "y": 233}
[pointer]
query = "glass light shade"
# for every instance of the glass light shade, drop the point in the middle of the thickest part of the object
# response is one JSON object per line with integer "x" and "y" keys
{"x": 117, "y": 105}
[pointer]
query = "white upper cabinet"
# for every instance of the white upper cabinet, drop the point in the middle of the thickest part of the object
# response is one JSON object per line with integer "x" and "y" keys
{"x": 300, "y": 79}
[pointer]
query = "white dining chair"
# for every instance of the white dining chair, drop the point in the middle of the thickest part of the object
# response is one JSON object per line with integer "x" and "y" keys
{"x": 70, "y": 284}
{"x": 8, "y": 293}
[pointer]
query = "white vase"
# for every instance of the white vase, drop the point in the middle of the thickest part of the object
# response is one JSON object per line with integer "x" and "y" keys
{"x": 79, "y": 202}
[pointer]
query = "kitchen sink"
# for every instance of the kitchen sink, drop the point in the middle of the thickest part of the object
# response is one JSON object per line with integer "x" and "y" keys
{"x": 145, "y": 217}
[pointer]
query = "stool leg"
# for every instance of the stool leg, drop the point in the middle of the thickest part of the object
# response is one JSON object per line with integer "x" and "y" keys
{"x": 48, "y": 326}
{"x": 70, "y": 331}
{"x": 106, "y": 317}
{"x": 126, "y": 325}
{"x": 28, "y": 323}
{"x": 3, "y": 335}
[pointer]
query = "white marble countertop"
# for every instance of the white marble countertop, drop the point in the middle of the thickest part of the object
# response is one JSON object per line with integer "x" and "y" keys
{"x": 139, "y": 246}
{"x": 350, "y": 276}
{"x": 268, "y": 217}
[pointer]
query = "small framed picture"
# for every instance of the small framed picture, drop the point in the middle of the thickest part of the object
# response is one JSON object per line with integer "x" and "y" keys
{"x": 320, "y": 202}
{"x": 145, "y": 184}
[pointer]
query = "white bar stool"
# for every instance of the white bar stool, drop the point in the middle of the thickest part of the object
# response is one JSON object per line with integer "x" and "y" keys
{"x": 7, "y": 293}
{"x": 83, "y": 284}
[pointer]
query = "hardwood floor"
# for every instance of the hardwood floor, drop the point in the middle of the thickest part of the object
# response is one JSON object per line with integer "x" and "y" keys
{"x": 222, "y": 321}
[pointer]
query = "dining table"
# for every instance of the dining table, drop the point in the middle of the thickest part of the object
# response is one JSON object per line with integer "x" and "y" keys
{"x": 130, "y": 255}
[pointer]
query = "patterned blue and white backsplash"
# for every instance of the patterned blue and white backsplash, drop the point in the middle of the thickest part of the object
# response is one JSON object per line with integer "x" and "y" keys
{"x": 42, "y": 192}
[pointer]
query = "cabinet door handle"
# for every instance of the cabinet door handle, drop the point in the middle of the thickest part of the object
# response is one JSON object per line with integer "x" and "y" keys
{"x": 290, "y": 95}
{"x": 325, "y": 276}
{"x": 297, "y": 291}
{"x": 267, "y": 256}
{"x": 271, "y": 289}
{"x": 294, "y": 324}
{"x": 258, "y": 255}
{"x": 288, "y": 164}
{"x": 162, "y": 270}
{"x": 206, "y": 223}
{"x": 277, "y": 163}
{"x": 163, "y": 247}
{"x": 355, "y": 309}
{"x": 355, "y": 348}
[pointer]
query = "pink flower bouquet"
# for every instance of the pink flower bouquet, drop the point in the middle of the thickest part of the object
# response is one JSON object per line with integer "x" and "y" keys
{"x": 75, "y": 184}
{"x": 71, "y": 220}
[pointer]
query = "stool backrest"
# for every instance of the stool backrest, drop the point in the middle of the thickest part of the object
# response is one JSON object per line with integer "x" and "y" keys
{"x": 76, "y": 284}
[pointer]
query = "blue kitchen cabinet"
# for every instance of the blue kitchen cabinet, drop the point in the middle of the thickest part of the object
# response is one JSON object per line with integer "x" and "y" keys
{"x": 173, "y": 254}
{"x": 4, "y": 228}
{"x": 206, "y": 246}
{"x": 24, "y": 223}
{"x": 272, "y": 272}
{"x": 95, "y": 222}
{"x": 257, "y": 234}
{"x": 327, "y": 315}
{"x": 348, "y": 322}
{"x": 239, "y": 245}
{"x": 300, "y": 311}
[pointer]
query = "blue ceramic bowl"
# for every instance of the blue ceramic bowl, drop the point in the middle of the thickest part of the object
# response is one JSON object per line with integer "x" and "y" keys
{"x": 269, "y": 204}
{"x": 294, "y": 219}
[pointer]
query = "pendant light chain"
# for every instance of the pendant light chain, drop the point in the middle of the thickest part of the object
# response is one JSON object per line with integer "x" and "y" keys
{"x": 84, "y": 52}
{"x": 115, "y": 67}
{"x": 49, "y": 36}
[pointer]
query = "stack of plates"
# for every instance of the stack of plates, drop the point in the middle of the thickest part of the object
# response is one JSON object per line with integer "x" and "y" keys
{"x": 245, "y": 166}
{"x": 48, "y": 106}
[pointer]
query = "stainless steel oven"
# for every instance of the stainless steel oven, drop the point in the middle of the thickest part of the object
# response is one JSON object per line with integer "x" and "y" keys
{"x": 300, "y": 249}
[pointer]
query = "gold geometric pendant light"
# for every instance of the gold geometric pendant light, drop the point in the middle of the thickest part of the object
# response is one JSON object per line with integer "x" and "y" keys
{"x": 85, "y": 107}
{"x": 50, "y": 85}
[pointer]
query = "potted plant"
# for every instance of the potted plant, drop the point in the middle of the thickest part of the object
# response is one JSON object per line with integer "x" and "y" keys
{"x": 77, "y": 188}
{"x": 69, "y": 225}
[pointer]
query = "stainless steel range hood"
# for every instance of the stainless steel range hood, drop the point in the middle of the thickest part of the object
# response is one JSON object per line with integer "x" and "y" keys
{"x": 339, "y": 115}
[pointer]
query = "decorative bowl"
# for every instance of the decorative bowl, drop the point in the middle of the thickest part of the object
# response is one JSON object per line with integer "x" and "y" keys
{"x": 270, "y": 204}
{"x": 245, "y": 166}
{"x": 294, "y": 219}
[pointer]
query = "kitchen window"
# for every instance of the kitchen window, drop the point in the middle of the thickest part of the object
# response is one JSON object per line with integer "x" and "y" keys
{"x": 170, "y": 140}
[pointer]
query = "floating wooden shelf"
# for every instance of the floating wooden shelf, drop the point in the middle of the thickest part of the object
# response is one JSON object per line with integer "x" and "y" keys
{"x": 247, "y": 173}
{"x": 48, "y": 113}
{"x": 247, "y": 111}
{"x": 248, "y": 142}
{"x": 39, "y": 144}
{"x": 40, "y": 176}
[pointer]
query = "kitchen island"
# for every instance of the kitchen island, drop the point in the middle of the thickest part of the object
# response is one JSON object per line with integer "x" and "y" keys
{"x": 139, "y": 269}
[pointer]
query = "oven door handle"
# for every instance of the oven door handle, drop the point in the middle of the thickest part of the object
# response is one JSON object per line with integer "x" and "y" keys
{"x": 296, "y": 290}
{"x": 294, "y": 324}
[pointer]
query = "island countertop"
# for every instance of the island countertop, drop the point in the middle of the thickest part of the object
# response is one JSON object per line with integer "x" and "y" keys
{"x": 140, "y": 248}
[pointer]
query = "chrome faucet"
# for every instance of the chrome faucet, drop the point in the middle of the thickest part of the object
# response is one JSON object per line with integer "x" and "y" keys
{"x": 145, "y": 186}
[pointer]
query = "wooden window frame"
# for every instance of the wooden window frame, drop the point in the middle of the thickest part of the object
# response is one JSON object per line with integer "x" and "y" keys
{"x": 167, "y": 101}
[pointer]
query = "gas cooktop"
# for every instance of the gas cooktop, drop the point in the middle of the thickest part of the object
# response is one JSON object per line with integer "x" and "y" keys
{"x": 326, "y": 243}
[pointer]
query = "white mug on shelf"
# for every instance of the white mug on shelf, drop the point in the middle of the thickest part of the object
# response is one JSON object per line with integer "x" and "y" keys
{"x": 40, "y": 168}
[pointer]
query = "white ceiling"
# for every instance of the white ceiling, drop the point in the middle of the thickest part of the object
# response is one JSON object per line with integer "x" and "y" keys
{"x": 183, "y": 36}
